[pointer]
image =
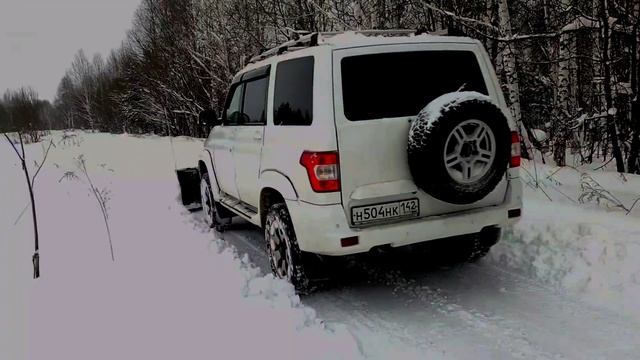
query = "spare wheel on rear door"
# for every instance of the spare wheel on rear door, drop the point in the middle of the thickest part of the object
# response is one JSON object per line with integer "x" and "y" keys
{"x": 459, "y": 147}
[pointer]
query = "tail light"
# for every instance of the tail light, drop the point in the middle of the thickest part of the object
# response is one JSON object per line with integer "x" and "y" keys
{"x": 322, "y": 168}
{"x": 515, "y": 150}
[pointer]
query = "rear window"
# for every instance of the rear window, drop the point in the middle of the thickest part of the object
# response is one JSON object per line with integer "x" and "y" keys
{"x": 293, "y": 97}
{"x": 401, "y": 84}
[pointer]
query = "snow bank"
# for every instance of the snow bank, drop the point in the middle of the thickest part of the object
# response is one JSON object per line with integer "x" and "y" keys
{"x": 174, "y": 291}
{"x": 590, "y": 249}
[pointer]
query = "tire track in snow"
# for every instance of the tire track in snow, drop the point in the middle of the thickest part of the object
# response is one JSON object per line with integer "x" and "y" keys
{"x": 245, "y": 238}
{"x": 433, "y": 311}
{"x": 512, "y": 339}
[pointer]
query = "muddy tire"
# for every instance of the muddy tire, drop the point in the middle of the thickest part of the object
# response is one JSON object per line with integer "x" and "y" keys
{"x": 459, "y": 150}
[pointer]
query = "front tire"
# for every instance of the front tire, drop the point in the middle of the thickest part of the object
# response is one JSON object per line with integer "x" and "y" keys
{"x": 209, "y": 207}
{"x": 284, "y": 254}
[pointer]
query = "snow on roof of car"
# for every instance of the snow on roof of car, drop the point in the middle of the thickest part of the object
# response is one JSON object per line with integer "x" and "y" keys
{"x": 348, "y": 39}
{"x": 352, "y": 38}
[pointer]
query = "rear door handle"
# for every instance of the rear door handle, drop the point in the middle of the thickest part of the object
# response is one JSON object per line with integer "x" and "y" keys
{"x": 257, "y": 137}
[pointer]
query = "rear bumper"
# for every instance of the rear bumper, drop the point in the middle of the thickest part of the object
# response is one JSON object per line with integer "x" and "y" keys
{"x": 319, "y": 229}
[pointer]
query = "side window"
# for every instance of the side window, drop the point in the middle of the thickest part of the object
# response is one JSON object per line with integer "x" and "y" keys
{"x": 293, "y": 97}
{"x": 233, "y": 110}
{"x": 255, "y": 101}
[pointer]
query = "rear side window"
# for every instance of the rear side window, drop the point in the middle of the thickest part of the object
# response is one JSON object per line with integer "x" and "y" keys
{"x": 255, "y": 101}
{"x": 400, "y": 84}
{"x": 293, "y": 97}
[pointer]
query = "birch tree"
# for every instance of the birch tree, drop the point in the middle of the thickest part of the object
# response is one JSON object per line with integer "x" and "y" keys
{"x": 179, "y": 57}
{"x": 508, "y": 57}
{"x": 81, "y": 74}
{"x": 561, "y": 116}
{"x": 606, "y": 66}
{"x": 633, "y": 161}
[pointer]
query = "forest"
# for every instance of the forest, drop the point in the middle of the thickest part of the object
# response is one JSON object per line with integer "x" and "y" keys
{"x": 569, "y": 68}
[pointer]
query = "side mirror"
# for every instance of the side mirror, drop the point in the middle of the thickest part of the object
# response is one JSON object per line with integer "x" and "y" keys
{"x": 209, "y": 117}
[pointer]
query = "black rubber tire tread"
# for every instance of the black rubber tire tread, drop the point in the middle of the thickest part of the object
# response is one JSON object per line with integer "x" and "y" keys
{"x": 481, "y": 244}
{"x": 476, "y": 250}
{"x": 299, "y": 278}
{"x": 426, "y": 148}
{"x": 217, "y": 222}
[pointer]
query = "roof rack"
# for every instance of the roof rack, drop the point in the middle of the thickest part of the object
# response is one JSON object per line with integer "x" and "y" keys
{"x": 313, "y": 39}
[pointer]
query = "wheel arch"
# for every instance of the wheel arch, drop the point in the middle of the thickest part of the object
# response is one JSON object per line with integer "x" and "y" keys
{"x": 275, "y": 187}
{"x": 205, "y": 165}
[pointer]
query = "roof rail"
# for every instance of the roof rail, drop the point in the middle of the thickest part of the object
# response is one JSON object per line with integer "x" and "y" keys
{"x": 314, "y": 39}
{"x": 389, "y": 32}
{"x": 302, "y": 42}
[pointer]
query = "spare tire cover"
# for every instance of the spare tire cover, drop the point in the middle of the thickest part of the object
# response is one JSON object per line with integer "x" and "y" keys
{"x": 459, "y": 147}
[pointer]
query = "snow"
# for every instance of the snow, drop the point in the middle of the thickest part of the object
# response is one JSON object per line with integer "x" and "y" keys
{"x": 431, "y": 113}
{"x": 591, "y": 248}
{"x": 563, "y": 283}
{"x": 174, "y": 290}
{"x": 582, "y": 22}
{"x": 353, "y": 39}
{"x": 540, "y": 135}
{"x": 443, "y": 103}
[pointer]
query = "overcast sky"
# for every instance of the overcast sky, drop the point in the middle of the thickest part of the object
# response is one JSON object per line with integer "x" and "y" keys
{"x": 38, "y": 38}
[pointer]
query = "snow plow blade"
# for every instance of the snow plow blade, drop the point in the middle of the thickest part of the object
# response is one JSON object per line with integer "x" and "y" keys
{"x": 189, "y": 180}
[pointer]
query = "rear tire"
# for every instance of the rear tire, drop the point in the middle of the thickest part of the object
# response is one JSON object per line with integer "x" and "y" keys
{"x": 286, "y": 259}
{"x": 480, "y": 244}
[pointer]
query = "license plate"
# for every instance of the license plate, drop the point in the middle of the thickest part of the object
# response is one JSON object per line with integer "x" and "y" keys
{"x": 363, "y": 215}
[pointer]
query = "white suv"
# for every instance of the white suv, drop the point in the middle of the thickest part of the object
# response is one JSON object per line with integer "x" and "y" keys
{"x": 338, "y": 143}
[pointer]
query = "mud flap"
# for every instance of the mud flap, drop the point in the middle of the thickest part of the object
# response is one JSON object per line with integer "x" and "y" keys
{"x": 189, "y": 180}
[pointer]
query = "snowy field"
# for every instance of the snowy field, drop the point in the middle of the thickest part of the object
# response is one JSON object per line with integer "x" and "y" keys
{"x": 173, "y": 292}
{"x": 563, "y": 284}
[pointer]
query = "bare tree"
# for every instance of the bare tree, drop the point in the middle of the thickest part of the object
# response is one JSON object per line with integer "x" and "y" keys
{"x": 179, "y": 57}
{"x": 30, "y": 185}
{"x": 82, "y": 75}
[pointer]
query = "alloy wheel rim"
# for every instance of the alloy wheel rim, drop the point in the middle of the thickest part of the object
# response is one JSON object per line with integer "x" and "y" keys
{"x": 205, "y": 196}
{"x": 469, "y": 151}
{"x": 279, "y": 248}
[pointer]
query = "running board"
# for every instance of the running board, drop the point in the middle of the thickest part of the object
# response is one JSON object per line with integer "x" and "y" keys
{"x": 243, "y": 209}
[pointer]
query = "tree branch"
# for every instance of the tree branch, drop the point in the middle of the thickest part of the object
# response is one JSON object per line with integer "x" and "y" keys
{"x": 21, "y": 157}
{"x": 44, "y": 159}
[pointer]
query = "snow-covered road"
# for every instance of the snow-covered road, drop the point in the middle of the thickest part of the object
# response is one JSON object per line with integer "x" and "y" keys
{"x": 475, "y": 311}
{"x": 563, "y": 284}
